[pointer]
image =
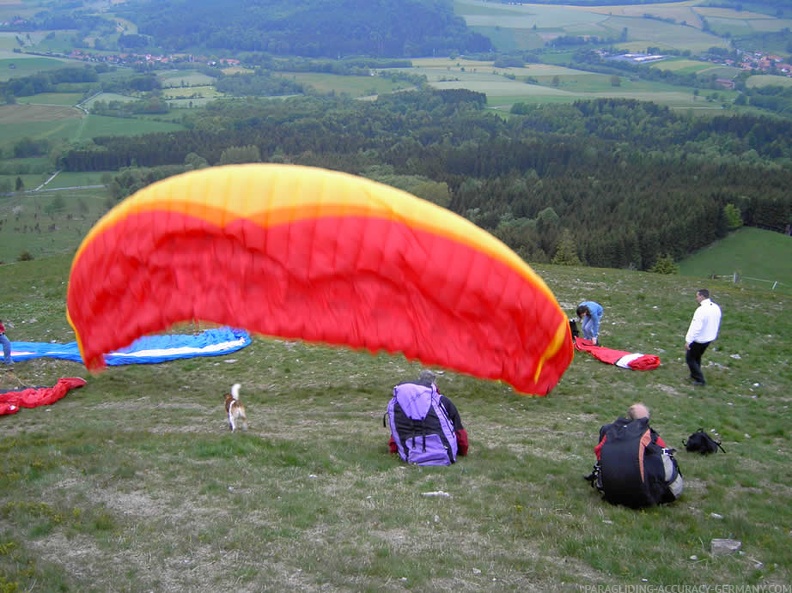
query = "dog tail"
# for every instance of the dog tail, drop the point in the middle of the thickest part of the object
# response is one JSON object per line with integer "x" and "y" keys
{"x": 235, "y": 391}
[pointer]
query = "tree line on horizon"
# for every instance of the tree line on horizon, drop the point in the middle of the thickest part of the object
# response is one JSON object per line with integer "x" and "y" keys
{"x": 628, "y": 182}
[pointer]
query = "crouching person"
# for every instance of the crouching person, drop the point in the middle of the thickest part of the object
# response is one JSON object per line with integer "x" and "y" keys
{"x": 425, "y": 425}
{"x": 634, "y": 467}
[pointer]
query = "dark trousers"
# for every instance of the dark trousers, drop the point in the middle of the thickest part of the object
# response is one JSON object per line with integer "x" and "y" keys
{"x": 693, "y": 360}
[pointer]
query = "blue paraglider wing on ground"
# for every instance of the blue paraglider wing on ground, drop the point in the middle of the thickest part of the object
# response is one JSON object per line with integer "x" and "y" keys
{"x": 145, "y": 350}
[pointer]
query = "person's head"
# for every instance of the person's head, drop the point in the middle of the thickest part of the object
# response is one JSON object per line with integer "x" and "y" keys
{"x": 638, "y": 411}
{"x": 701, "y": 294}
{"x": 426, "y": 378}
{"x": 582, "y": 310}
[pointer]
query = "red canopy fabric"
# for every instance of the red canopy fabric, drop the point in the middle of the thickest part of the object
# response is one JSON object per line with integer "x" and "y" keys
{"x": 32, "y": 397}
{"x": 626, "y": 360}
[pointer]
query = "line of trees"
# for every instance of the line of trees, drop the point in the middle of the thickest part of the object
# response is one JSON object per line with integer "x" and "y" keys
{"x": 46, "y": 82}
{"x": 629, "y": 182}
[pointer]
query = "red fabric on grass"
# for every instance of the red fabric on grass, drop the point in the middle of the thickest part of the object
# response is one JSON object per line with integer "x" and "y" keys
{"x": 632, "y": 360}
{"x": 32, "y": 397}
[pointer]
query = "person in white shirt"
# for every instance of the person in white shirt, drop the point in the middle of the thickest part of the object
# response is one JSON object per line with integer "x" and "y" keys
{"x": 702, "y": 331}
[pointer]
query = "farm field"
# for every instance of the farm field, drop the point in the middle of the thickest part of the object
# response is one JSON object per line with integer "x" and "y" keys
{"x": 184, "y": 79}
{"x": 76, "y": 179}
{"x": 354, "y": 86}
{"x": 760, "y": 80}
{"x": 16, "y": 65}
{"x": 107, "y": 98}
{"x": 686, "y": 66}
{"x": 99, "y": 125}
{"x": 54, "y": 123}
{"x": 38, "y": 121}
{"x": 49, "y": 99}
{"x": 673, "y": 26}
{"x": 195, "y": 96}
{"x": 505, "y": 86}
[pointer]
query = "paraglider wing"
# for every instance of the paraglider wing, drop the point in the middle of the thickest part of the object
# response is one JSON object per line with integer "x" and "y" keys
{"x": 145, "y": 350}
{"x": 317, "y": 255}
{"x": 636, "y": 361}
{"x": 32, "y": 397}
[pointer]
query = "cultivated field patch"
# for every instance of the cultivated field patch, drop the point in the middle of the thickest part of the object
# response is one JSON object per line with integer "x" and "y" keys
{"x": 22, "y": 113}
{"x": 69, "y": 99}
{"x": 19, "y": 65}
{"x": 760, "y": 80}
{"x": 545, "y": 83}
{"x": 99, "y": 125}
{"x": 354, "y": 86}
{"x": 184, "y": 78}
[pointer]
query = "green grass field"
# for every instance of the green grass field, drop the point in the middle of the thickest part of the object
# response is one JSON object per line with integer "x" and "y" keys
{"x": 49, "y": 99}
{"x": 184, "y": 78}
{"x": 759, "y": 258}
{"x": 759, "y": 80}
{"x": 44, "y": 223}
{"x": 686, "y": 66}
{"x": 669, "y": 26}
{"x": 195, "y": 96}
{"x": 55, "y": 122}
{"x": 506, "y": 86}
{"x": 354, "y": 86}
{"x": 138, "y": 472}
{"x": 38, "y": 121}
{"x": 18, "y": 65}
{"x": 675, "y": 26}
{"x": 134, "y": 483}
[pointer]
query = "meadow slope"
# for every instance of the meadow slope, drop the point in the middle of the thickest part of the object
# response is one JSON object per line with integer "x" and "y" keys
{"x": 133, "y": 483}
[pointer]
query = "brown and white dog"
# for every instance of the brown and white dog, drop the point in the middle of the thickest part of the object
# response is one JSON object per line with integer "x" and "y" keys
{"x": 235, "y": 409}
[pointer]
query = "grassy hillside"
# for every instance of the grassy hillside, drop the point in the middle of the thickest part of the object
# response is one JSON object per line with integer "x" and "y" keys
{"x": 138, "y": 473}
{"x": 759, "y": 258}
{"x": 43, "y": 223}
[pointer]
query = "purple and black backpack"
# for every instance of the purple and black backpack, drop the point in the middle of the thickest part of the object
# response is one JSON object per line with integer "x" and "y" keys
{"x": 420, "y": 426}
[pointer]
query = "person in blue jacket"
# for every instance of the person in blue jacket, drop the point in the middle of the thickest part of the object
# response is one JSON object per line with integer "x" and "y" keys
{"x": 590, "y": 315}
{"x": 6, "y": 345}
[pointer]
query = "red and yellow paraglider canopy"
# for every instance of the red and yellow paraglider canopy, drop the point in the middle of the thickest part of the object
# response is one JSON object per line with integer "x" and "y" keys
{"x": 317, "y": 255}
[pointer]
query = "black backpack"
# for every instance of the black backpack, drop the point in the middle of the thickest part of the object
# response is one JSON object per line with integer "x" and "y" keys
{"x": 633, "y": 469}
{"x": 701, "y": 442}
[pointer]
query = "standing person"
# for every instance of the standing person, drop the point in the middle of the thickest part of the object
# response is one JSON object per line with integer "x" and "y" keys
{"x": 590, "y": 315}
{"x": 6, "y": 345}
{"x": 702, "y": 331}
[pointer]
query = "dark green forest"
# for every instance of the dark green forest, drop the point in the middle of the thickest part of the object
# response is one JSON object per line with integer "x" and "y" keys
{"x": 630, "y": 182}
{"x": 311, "y": 28}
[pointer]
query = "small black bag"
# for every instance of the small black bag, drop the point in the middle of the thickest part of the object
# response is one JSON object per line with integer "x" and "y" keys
{"x": 701, "y": 442}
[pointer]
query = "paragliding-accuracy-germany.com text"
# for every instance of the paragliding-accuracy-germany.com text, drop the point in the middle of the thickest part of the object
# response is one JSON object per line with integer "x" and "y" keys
{"x": 647, "y": 588}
